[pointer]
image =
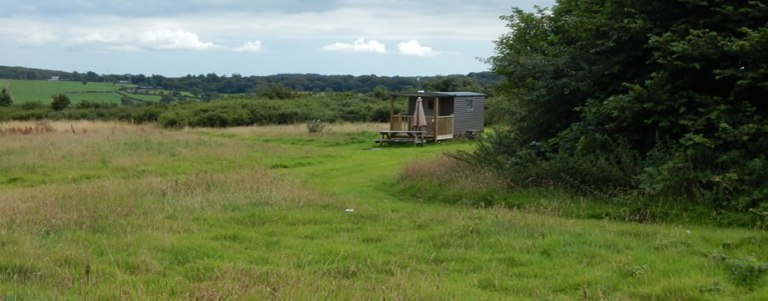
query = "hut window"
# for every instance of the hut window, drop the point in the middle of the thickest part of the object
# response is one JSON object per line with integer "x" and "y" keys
{"x": 470, "y": 103}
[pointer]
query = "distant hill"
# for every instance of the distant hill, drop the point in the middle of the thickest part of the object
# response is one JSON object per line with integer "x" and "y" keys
{"x": 7, "y": 72}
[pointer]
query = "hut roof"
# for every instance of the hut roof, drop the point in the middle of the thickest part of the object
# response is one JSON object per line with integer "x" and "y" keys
{"x": 443, "y": 94}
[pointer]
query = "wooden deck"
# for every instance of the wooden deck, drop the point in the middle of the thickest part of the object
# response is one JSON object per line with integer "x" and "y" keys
{"x": 440, "y": 128}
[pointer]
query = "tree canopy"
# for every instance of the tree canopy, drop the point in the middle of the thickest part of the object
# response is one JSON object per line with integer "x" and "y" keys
{"x": 662, "y": 98}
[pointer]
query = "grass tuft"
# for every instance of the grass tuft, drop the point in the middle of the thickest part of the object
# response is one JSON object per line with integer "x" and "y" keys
{"x": 447, "y": 180}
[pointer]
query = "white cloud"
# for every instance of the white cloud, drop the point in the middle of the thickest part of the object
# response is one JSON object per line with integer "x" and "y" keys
{"x": 149, "y": 39}
{"x": 359, "y": 45}
{"x": 253, "y": 46}
{"x": 96, "y": 37}
{"x": 36, "y": 37}
{"x": 173, "y": 39}
{"x": 414, "y": 48}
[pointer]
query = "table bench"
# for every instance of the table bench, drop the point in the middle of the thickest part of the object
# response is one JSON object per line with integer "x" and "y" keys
{"x": 390, "y": 136}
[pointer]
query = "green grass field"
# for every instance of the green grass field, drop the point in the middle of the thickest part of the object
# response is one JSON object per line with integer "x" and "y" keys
{"x": 41, "y": 90}
{"x": 95, "y": 211}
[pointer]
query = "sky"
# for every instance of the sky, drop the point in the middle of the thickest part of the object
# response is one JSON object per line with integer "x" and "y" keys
{"x": 254, "y": 37}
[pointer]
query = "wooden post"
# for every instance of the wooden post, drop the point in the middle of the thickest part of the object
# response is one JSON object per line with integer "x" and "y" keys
{"x": 391, "y": 112}
{"x": 436, "y": 107}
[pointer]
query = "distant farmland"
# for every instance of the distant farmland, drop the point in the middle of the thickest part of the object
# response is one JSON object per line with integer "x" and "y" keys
{"x": 41, "y": 90}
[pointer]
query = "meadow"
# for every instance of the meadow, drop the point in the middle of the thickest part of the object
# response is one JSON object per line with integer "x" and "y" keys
{"x": 25, "y": 91}
{"x": 98, "y": 210}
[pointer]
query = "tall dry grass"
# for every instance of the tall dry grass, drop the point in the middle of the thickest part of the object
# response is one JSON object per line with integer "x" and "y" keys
{"x": 77, "y": 151}
{"x": 78, "y": 205}
{"x": 68, "y": 178}
{"x": 300, "y": 129}
{"x": 446, "y": 179}
{"x": 100, "y": 127}
{"x": 91, "y": 213}
{"x": 119, "y": 231}
{"x": 68, "y": 127}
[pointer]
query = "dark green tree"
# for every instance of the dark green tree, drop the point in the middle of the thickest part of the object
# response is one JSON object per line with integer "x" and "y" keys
{"x": 663, "y": 98}
{"x": 167, "y": 98}
{"x": 126, "y": 100}
{"x": 60, "y": 102}
{"x": 452, "y": 83}
{"x": 381, "y": 93}
{"x": 6, "y": 100}
{"x": 276, "y": 91}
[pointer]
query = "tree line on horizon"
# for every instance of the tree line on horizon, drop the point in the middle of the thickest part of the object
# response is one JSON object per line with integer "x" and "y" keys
{"x": 210, "y": 84}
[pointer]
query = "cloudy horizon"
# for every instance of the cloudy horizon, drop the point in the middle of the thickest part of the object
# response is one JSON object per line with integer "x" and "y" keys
{"x": 382, "y": 37}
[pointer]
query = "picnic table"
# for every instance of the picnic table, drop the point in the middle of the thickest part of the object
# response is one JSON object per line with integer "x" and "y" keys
{"x": 390, "y": 136}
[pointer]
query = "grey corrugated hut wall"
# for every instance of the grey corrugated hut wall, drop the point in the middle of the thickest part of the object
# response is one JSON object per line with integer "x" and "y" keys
{"x": 467, "y": 108}
{"x": 469, "y": 113}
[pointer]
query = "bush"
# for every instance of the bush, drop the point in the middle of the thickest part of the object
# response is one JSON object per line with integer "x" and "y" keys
{"x": 315, "y": 126}
{"x": 127, "y": 100}
{"x": 5, "y": 98}
{"x": 276, "y": 91}
{"x": 32, "y": 105}
{"x": 60, "y": 102}
{"x": 744, "y": 273}
{"x": 87, "y": 104}
{"x": 243, "y": 111}
{"x": 25, "y": 115}
{"x": 233, "y": 111}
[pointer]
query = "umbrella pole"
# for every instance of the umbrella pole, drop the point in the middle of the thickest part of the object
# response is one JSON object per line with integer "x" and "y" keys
{"x": 437, "y": 114}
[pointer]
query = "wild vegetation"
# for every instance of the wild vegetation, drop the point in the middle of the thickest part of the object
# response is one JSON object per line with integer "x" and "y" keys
{"x": 225, "y": 112}
{"x": 637, "y": 101}
{"x": 123, "y": 211}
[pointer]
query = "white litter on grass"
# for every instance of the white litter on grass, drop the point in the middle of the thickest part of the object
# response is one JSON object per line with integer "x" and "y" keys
{"x": 350, "y": 210}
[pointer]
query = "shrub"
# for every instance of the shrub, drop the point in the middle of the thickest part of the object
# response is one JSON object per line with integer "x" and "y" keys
{"x": 744, "y": 273}
{"x": 34, "y": 114}
{"x": 60, "y": 102}
{"x": 87, "y": 104}
{"x": 5, "y": 98}
{"x": 315, "y": 126}
{"x": 127, "y": 100}
{"x": 32, "y": 105}
{"x": 232, "y": 111}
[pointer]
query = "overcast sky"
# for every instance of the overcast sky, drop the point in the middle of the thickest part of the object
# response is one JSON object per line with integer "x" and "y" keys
{"x": 254, "y": 37}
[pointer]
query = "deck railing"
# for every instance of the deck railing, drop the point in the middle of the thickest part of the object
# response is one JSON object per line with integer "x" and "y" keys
{"x": 444, "y": 127}
{"x": 441, "y": 129}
